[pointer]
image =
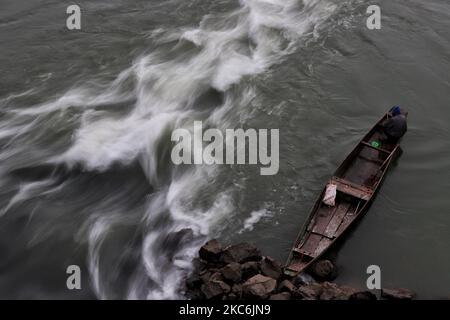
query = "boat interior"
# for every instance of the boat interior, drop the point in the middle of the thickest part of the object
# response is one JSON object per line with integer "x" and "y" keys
{"x": 356, "y": 181}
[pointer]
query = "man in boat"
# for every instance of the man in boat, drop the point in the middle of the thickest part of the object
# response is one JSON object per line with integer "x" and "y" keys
{"x": 396, "y": 125}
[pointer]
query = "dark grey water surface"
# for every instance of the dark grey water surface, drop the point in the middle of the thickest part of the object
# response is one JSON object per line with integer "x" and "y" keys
{"x": 86, "y": 116}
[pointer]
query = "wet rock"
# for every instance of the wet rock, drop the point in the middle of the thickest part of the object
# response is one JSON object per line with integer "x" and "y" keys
{"x": 241, "y": 253}
{"x": 324, "y": 270}
{"x": 237, "y": 290}
{"x": 286, "y": 286}
{"x": 306, "y": 293}
{"x": 232, "y": 272}
{"x": 346, "y": 292}
{"x": 193, "y": 281}
{"x": 199, "y": 265}
{"x": 281, "y": 296}
{"x": 310, "y": 292}
{"x": 271, "y": 268}
{"x": 259, "y": 287}
{"x": 212, "y": 274}
{"x": 363, "y": 295}
{"x": 211, "y": 251}
{"x": 239, "y": 272}
{"x": 216, "y": 275}
{"x": 397, "y": 294}
{"x": 249, "y": 269}
{"x": 302, "y": 279}
{"x": 215, "y": 289}
{"x": 330, "y": 291}
{"x": 195, "y": 294}
{"x": 205, "y": 275}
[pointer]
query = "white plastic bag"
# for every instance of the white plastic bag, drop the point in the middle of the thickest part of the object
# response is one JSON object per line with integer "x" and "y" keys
{"x": 330, "y": 195}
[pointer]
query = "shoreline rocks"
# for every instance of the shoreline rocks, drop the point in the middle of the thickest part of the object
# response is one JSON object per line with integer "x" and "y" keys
{"x": 241, "y": 272}
{"x": 397, "y": 294}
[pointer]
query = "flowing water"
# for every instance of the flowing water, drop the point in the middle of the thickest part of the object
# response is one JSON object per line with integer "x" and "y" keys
{"x": 86, "y": 119}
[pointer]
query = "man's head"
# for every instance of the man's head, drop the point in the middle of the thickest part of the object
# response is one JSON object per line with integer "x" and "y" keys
{"x": 396, "y": 110}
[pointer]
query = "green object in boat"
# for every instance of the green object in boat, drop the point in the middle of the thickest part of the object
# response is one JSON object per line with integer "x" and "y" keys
{"x": 376, "y": 144}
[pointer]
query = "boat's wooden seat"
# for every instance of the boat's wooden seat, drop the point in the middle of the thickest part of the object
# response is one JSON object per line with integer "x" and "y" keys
{"x": 302, "y": 252}
{"x": 319, "y": 234}
{"x": 294, "y": 268}
{"x": 375, "y": 148}
{"x": 350, "y": 188}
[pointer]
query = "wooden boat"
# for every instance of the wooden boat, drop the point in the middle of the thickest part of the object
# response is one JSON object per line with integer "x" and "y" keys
{"x": 356, "y": 180}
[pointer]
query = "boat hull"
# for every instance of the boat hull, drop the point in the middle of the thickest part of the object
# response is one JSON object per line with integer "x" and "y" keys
{"x": 357, "y": 180}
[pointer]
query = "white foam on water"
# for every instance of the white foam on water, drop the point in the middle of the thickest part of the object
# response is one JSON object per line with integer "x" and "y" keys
{"x": 28, "y": 191}
{"x": 254, "y": 218}
{"x": 97, "y": 233}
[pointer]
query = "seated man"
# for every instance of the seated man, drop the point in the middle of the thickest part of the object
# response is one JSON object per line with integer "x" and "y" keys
{"x": 396, "y": 125}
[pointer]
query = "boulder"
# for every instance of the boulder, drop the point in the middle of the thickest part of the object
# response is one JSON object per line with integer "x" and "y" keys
{"x": 211, "y": 251}
{"x": 195, "y": 294}
{"x": 199, "y": 265}
{"x": 302, "y": 279}
{"x": 281, "y": 296}
{"x": 346, "y": 292}
{"x": 309, "y": 292}
{"x": 240, "y": 272}
{"x": 232, "y": 272}
{"x": 271, "y": 268}
{"x": 216, "y": 275}
{"x": 249, "y": 269}
{"x": 363, "y": 295}
{"x": 205, "y": 275}
{"x": 215, "y": 289}
{"x": 330, "y": 291}
{"x": 324, "y": 270}
{"x": 286, "y": 286}
{"x": 193, "y": 281}
{"x": 241, "y": 253}
{"x": 237, "y": 290}
{"x": 259, "y": 287}
{"x": 397, "y": 294}
{"x": 210, "y": 275}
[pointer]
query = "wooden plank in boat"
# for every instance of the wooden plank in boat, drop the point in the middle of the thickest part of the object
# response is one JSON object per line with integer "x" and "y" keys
{"x": 296, "y": 266}
{"x": 375, "y": 148}
{"x": 323, "y": 217}
{"x": 352, "y": 189}
{"x": 348, "y": 219}
{"x": 302, "y": 252}
{"x": 323, "y": 244}
{"x": 336, "y": 221}
{"x": 321, "y": 234}
{"x": 311, "y": 243}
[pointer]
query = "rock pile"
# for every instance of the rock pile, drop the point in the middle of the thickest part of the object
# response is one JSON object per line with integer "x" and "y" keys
{"x": 241, "y": 272}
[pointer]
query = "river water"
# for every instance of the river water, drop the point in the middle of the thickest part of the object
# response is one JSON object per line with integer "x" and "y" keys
{"x": 86, "y": 117}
